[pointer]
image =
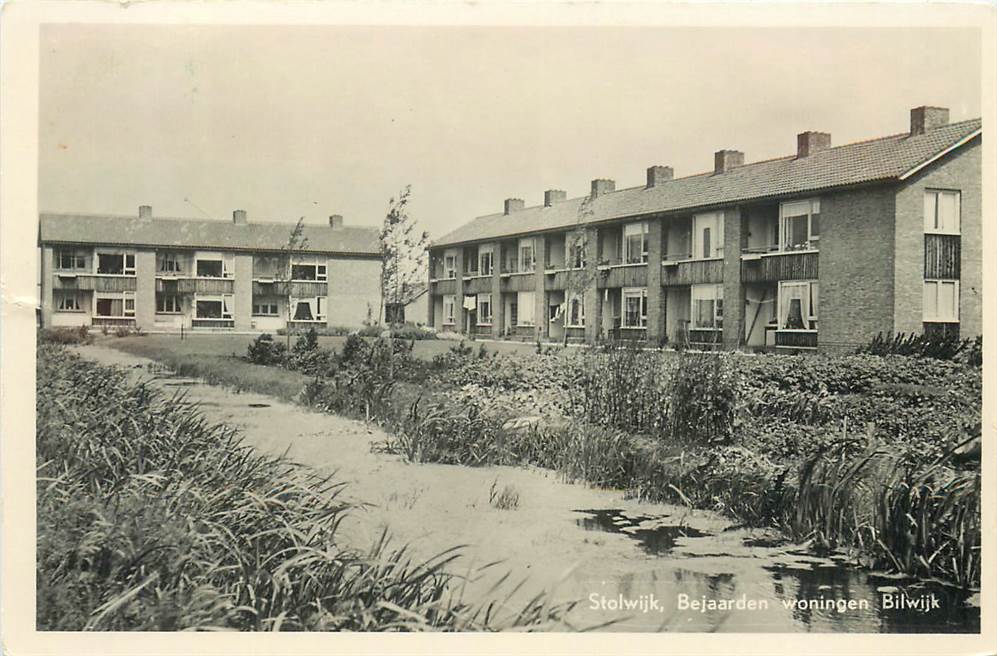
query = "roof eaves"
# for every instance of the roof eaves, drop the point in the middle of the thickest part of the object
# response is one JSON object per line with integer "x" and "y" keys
{"x": 937, "y": 156}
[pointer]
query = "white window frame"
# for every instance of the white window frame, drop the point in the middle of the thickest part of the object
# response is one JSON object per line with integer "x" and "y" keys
{"x": 164, "y": 259}
{"x": 449, "y": 318}
{"x": 575, "y": 300}
{"x": 934, "y": 287}
{"x": 575, "y": 247}
{"x": 450, "y": 267}
{"x": 794, "y": 209}
{"x": 708, "y": 292}
{"x": 78, "y": 257}
{"x": 226, "y": 300}
{"x": 177, "y": 303}
{"x": 127, "y": 298}
{"x": 811, "y": 316}
{"x": 227, "y": 260}
{"x": 714, "y": 221}
{"x": 66, "y": 295}
{"x": 320, "y": 267}
{"x": 486, "y": 254}
{"x": 126, "y": 268}
{"x": 531, "y": 308}
{"x": 639, "y": 293}
{"x": 524, "y": 265}
{"x": 632, "y": 229}
{"x": 932, "y": 205}
{"x": 484, "y": 300}
{"x": 259, "y": 305}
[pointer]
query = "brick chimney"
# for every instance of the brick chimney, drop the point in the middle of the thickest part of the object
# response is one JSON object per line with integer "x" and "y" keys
{"x": 552, "y": 196}
{"x": 513, "y": 205}
{"x": 239, "y": 217}
{"x": 657, "y": 175}
{"x": 725, "y": 160}
{"x": 808, "y": 143}
{"x": 145, "y": 212}
{"x": 336, "y": 221}
{"x": 602, "y": 186}
{"x": 924, "y": 118}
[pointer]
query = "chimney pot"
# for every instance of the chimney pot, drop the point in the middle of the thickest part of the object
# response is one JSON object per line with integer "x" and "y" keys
{"x": 239, "y": 217}
{"x": 725, "y": 160}
{"x": 808, "y": 143}
{"x": 657, "y": 175}
{"x": 336, "y": 221}
{"x": 602, "y": 186}
{"x": 552, "y": 196}
{"x": 513, "y": 205}
{"x": 925, "y": 118}
{"x": 145, "y": 211}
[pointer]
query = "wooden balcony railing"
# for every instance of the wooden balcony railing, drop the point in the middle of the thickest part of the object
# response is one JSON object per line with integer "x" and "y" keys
{"x": 94, "y": 282}
{"x": 780, "y": 266}
{"x": 942, "y": 257}
{"x": 796, "y": 338}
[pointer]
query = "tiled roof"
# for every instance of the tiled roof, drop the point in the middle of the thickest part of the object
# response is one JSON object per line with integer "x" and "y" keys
{"x": 205, "y": 234}
{"x": 886, "y": 158}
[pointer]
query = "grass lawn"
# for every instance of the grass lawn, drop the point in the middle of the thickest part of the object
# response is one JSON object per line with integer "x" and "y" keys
{"x": 152, "y": 346}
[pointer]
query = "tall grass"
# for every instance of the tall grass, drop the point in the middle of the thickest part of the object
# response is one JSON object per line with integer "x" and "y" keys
{"x": 150, "y": 518}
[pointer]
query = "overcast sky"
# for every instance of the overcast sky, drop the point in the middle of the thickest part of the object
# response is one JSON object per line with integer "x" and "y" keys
{"x": 311, "y": 121}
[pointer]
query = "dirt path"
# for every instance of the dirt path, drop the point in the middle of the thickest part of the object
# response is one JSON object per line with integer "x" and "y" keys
{"x": 594, "y": 557}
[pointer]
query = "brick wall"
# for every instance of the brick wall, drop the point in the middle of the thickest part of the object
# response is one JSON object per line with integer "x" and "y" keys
{"x": 354, "y": 286}
{"x": 959, "y": 170}
{"x": 47, "y": 267}
{"x": 243, "y": 292}
{"x": 145, "y": 289}
{"x": 733, "y": 331}
{"x": 856, "y": 266}
{"x": 656, "y": 306}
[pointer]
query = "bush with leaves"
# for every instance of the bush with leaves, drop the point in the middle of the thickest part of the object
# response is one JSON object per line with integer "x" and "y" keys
{"x": 266, "y": 351}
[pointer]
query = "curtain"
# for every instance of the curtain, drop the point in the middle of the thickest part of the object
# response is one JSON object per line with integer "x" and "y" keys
{"x": 793, "y": 308}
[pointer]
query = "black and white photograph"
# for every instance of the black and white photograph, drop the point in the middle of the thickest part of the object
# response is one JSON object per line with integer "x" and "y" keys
{"x": 512, "y": 327}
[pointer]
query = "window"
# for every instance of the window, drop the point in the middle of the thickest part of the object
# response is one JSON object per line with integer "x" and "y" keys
{"x": 941, "y": 212}
{"x": 449, "y": 305}
{"x": 799, "y": 225}
{"x": 168, "y": 263}
{"x": 527, "y": 256}
{"x": 941, "y": 300}
{"x": 214, "y": 265}
{"x": 798, "y": 306}
{"x": 576, "y": 251}
{"x": 116, "y": 264}
{"x": 310, "y": 271}
{"x": 265, "y": 308}
{"x": 213, "y": 307}
{"x": 115, "y": 305}
{"x": 708, "y": 235}
{"x": 70, "y": 260}
{"x": 450, "y": 266}
{"x": 168, "y": 304}
{"x": 576, "y": 311}
{"x": 635, "y": 243}
{"x": 485, "y": 260}
{"x": 484, "y": 309}
{"x": 707, "y": 307}
{"x": 525, "y": 306}
{"x": 68, "y": 301}
{"x": 635, "y": 308}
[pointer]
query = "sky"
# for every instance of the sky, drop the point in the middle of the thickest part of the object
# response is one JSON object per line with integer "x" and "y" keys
{"x": 289, "y": 122}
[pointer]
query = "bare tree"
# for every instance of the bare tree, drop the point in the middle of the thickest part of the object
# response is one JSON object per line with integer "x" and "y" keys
{"x": 403, "y": 254}
{"x": 296, "y": 244}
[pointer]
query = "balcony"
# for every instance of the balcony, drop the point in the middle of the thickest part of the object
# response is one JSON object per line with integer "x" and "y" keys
{"x": 195, "y": 285}
{"x": 114, "y": 322}
{"x": 680, "y": 272}
{"x": 216, "y": 324}
{"x": 615, "y": 273}
{"x": 799, "y": 339}
{"x": 94, "y": 282}
{"x": 444, "y": 287}
{"x": 297, "y": 288}
{"x": 942, "y": 256}
{"x": 764, "y": 265}
{"x": 478, "y": 285}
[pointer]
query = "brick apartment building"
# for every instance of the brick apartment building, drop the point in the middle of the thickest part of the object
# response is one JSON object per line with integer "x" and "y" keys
{"x": 163, "y": 274}
{"x": 822, "y": 248}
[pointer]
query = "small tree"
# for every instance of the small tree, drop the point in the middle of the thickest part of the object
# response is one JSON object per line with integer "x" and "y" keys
{"x": 403, "y": 254}
{"x": 296, "y": 244}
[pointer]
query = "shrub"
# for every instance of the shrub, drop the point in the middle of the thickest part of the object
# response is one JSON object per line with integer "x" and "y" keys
{"x": 505, "y": 499}
{"x": 66, "y": 335}
{"x": 938, "y": 346}
{"x": 410, "y": 331}
{"x": 264, "y": 350}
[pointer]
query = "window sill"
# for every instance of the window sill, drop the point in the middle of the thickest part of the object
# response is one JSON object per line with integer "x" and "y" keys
{"x": 483, "y": 325}
{"x": 940, "y": 232}
{"x": 115, "y": 275}
{"x": 168, "y": 314}
{"x": 61, "y": 311}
